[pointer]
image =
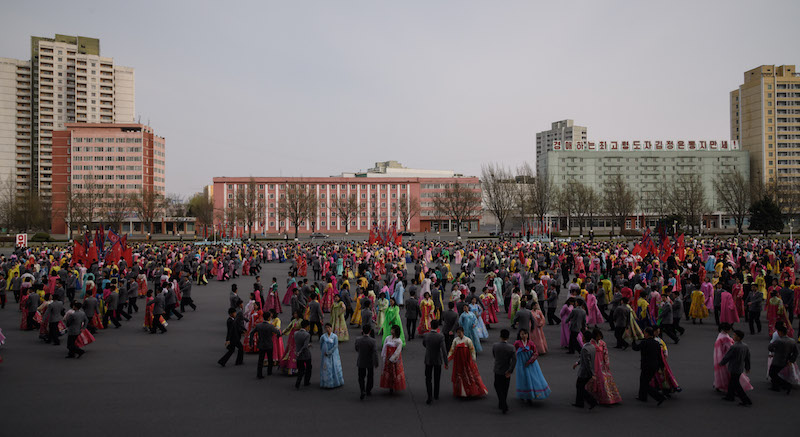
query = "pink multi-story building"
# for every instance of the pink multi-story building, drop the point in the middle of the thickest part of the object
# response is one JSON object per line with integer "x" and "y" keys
{"x": 379, "y": 197}
{"x": 116, "y": 159}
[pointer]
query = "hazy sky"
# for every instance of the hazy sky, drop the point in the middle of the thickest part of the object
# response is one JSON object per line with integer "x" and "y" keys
{"x": 315, "y": 88}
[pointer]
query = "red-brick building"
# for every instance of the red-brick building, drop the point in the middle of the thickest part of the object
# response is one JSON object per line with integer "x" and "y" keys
{"x": 378, "y": 199}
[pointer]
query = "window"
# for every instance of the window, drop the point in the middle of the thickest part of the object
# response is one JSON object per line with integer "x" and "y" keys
{"x": 372, "y": 186}
{"x": 321, "y": 186}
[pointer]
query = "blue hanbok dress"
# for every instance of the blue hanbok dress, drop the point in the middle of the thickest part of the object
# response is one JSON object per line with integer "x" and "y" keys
{"x": 468, "y": 321}
{"x": 331, "y": 369}
{"x": 480, "y": 327}
{"x": 530, "y": 381}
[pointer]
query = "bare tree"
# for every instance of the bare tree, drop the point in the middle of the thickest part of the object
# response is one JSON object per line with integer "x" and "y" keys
{"x": 458, "y": 202}
{"x": 116, "y": 207}
{"x": 619, "y": 201}
{"x": 584, "y": 201}
{"x": 347, "y": 208}
{"x": 521, "y": 192}
{"x": 658, "y": 200}
{"x": 565, "y": 205}
{"x": 733, "y": 195}
{"x": 689, "y": 197}
{"x": 408, "y": 208}
{"x": 148, "y": 205}
{"x": 297, "y": 205}
{"x": 8, "y": 202}
{"x": 201, "y": 206}
{"x": 541, "y": 195}
{"x": 251, "y": 203}
{"x": 498, "y": 192}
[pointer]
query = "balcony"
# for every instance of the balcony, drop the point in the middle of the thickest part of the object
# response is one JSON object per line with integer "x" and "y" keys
{"x": 23, "y": 136}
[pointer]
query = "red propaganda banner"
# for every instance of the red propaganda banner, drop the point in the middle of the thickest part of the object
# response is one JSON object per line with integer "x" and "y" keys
{"x": 79, "y": 254}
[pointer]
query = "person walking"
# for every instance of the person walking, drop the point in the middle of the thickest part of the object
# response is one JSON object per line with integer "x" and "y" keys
{"x": 505, "y": 359}
{"x": 331, "y": 366}
{"x": 621, "y": 316}
{"x": 54, "y": 314}
{"x": 585, "y": 365}
{"x": 265, "y": 331}
{"x": 233, "y": 339}
{"x": 651, "y": 362}
{"x": 435, "y": 356}
{"x": 737, "y": 358}
{"x": 158, "y": 312}
{"x": 302, "y": 342}
{"x": 577, "y": 322}
{"x": 412, "y": 314}
{"x": 367, "y": 361}
{"x": 315, "y": 316}
{"x": 784, "y": 350}
{"x": 76, "y": 321}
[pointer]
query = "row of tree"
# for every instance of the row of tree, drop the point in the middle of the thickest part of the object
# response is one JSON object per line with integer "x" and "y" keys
{"x": 683, "y": 199}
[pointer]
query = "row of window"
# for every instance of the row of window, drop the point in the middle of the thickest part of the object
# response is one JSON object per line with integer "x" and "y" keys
{"x": 109, "y": 186}
{"x": 442, "y": 186}
{"x": 107, "y": 149}
{"x": 108, "y": 177}
{"x": 105, "y": 140}
{"x": 107, "y": 167}
{"x": 107, "y": 158}
{"x": 321, "y": 186}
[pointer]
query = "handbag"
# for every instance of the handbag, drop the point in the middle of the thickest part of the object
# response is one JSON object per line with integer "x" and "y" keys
{"x": 790, "y": 374}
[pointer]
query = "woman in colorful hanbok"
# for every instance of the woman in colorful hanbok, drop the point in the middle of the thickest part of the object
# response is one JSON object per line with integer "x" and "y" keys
{"x": 393, "y": 376}
{"x": 602, "y": 386}
{"x": 480, "y": 327}
{"x": 255, "y": 317}
{"x": 148, "y": 311}
{"x": 664, "y": 380}
{"x": 469, "y": 322}
{"x": 565, "y": 310}
{"x": 466, "y": 378}
{"x": 273, "y": 302}
{"x": 530, "y": 380}
{"x": 392, "y": 318}
{"x": 593, "y": 315}
{"x": 327, "y": 297}
{"x": 426, "y": 311}
{"x": 721, "y": 375}
{"x": 382, "y": 305}
{"x": 632, "y": 332}
{"x": 698, "y": 309}
{"x": 728, "y": 311}
{"x": 290, "y": 287}
{"x": 537, "y": 334}
{"x": 515, "y": 302}
{"x": 330, "y": 374}
{"x": 338, "y": 321}
{"x": 355, "y": 319}
{"x": 777, "y": 312}
{"x": 489, "y": 315}
{"x": 289, "y": 361}
{"x": 277, "y": 340}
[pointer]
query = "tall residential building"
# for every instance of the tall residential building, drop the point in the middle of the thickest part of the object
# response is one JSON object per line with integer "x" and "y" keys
{"x": 765, "y": 119}
{"x": 98, "y": 161}
{"x": 65, "y": 81}
{"x": 564, "y": 130}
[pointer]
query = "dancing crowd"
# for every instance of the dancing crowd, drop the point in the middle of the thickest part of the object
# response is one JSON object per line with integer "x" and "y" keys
{"x": 448, "y": 295}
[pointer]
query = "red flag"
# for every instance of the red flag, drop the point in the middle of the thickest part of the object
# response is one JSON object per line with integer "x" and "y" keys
{"x": 680, "y": 250}
{"x": 114, "y": 254}
{"x": 91, "y": 256}
{"x": 127, "y": 253}
{"x": 372, "y": 236}
{"x": 79, "y": 254}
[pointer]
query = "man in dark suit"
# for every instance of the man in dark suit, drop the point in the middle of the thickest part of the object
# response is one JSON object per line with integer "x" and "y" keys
{"x": 302, "y": 341}
{"x": 53, "y": 315}
{"x": 586, "y": 370}
{"x": 577, "y": 323}
{"x": 650, "y": 361}
{"x": 621, "y": 316}
{"x": 315, "y": 315}
{"x": 111, "y": 302}
{"x": 233, "y": 340}
{"x": 435, "y": 356}
{"x": 185, "y": 285}
{"x": 265, "y": 331}
{"x": 412, "y": 314}
{"x": 522, "y": 319}
{"x": 505, "y": 359}
{"x": 33, "y": 305}
{"x": 90, "y": 309}
{"x": 75, "y": 322}
{"x": 366, "y": 315}
{"x": 367, "y": 360}
{"x": 234, "y": 297}
{"x": 158, "y": 311}
{"x": 784, "y": 351}
{"x": 449, "y": 324}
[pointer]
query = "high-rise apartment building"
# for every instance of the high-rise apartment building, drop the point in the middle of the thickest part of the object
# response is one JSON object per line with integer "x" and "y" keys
{"x": 765, "y": 119}
{"x": 66, "y": 80}
{"x": 564, "y": 130}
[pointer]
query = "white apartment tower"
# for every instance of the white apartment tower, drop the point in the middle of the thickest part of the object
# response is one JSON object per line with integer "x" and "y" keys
{"x": 564, "y": 130}
{"x": 65, "y": 81}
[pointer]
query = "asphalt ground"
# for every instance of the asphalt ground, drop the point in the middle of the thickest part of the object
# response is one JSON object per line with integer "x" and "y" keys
{"x": 130, "y": 383}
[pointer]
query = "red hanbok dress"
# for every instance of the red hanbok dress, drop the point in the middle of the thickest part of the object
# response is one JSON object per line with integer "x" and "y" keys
{"x": 602, "y": 385}
{"x": 467, "y": 382}
{"x": 393, "y": 376}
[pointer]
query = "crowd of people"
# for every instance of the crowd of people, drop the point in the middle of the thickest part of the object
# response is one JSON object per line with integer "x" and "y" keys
{"x": 447, "y": 294}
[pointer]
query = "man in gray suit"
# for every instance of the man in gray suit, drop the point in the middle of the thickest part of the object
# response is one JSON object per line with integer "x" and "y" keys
{"x": 366, "y": 315}
{"x": 302, "y": 341}
{"x": 449, "y": 324}
{"x": 233, "y": 340}
{"x": 577, "y": 323}
{"x": 522, "y": 320}
{"x": 158, "y": 311}
{"x": 367, "y": 360}
{"x": 75, "y": 322}
{"x": 665, "y": 320}
{"x": 586, "y": 370}
{"x": 784, "y": 351}
{"x": 90, "y": 309}
{"x": 111, "y": 302}
{"x": 315, "y": 315}
{"x": 33, "y": 305}
{"x": 265, "y": 331}
{"x": 738, "y": 361}
{"x": 505, "y": 359}
{"x": 621, "y": 316}
{"x": 412, "y": 314}
{"x": 53, "y": 315}
{"x": 435, "y": 356}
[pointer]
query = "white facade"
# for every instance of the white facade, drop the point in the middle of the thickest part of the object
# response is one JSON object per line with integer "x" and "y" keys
{"x": 394, "y": 169}
{"x": 67, "y": 81}
{"x": 564, "y": 130}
